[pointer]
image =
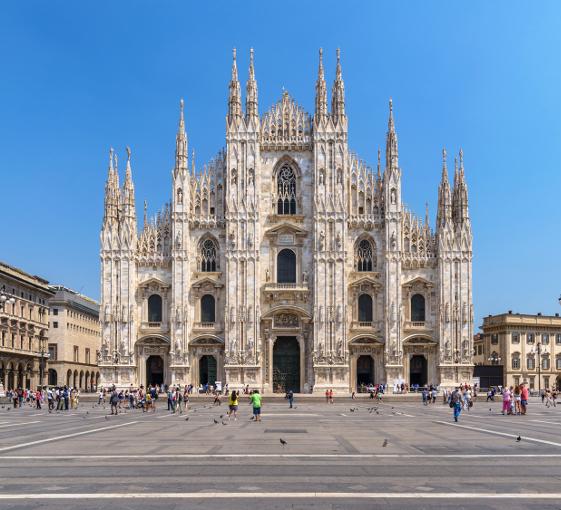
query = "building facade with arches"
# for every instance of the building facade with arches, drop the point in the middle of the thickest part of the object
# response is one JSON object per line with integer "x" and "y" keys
{"x": 286, "y": 262}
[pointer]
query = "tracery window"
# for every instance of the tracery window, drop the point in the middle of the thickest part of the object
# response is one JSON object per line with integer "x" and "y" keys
{"x": 155, "y": 308}
{"x": 209, "y": 258}
{"x": 286, "y": 191}
{"x": 365, "y": 258}
{"x": 286, "y": 266}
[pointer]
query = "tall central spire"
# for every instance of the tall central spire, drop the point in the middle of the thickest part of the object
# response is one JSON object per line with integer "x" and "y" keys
{"x": 234, "y": 98}
{"x": 321, "y": 90}
{"x": 181, "y": 142}
{"x": 338, "y": 92}
{"x": 391, "y": 142}
{"x": 251, "y": 108}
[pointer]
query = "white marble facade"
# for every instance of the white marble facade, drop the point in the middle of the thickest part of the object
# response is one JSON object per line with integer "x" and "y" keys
{"x": 286, "y": 261}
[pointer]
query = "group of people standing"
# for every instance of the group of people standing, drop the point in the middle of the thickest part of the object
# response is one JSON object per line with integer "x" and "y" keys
{"x": 515, "y": 399}
{"x": 57, "y": 398}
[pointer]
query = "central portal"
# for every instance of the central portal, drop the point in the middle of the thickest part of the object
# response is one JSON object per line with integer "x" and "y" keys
{"x": 154, "y": 370}
{"x": 286, "y": 365}
{"x": 207, "y": 370}
{"x": 418, "y": 370}
{"x": 364, "y": 371}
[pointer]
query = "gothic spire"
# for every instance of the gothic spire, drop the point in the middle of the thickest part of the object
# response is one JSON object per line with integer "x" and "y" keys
{"x": 338, "y": 92}
{"x": 181, "y": 142}
{"x": 234, "y": 98}
{"x": 128, "y": 190}
{"x": 444, "y": 213}
{"x": 321, "y": 90}
{"x": 145, "y": 213}
{"x": 460, "y": 195}
{"x": 391, "y": 142}
{"x": 251, "y": 105}
{"x": 111, "y": 201}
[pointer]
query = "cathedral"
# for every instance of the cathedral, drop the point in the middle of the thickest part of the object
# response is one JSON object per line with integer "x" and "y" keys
{"x": 286, "y": 262}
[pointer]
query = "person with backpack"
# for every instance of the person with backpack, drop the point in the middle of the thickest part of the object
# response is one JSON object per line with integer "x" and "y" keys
{"x": 255, "y": 400}
{"x": 114, "y": 401}
{"x": 456, "y": 403}
{"x": 290, "y": 398}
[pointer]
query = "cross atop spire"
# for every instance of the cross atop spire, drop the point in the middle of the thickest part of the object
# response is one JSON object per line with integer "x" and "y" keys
{"x": 321, "y": 90}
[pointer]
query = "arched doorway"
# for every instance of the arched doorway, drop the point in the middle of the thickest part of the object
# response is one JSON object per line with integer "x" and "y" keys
{"x": 418, "y": 370}
{"x": 364, "y": 370}
{"x": 286, "y": 364}
{"x": 154, "y": 370}
{"x": 207, "y": 370}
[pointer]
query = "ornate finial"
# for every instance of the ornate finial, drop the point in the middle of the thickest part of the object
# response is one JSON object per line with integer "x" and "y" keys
{"x": 111, "y": 158}
{"x": 426, "y": 213}
{"x": 181, "y": 106}
{"x": 461, "y": 158}
{"x": 234, "y": 54}
{"x": 251, "y": 57}
{"x": 115, "y": 160}
{"x": 379, "y": 163}
{"x": 193, "y": 162}
{"x": 444, "y": 156}
{"x": 128, "y": 153}
{"x": 145, "y": 213}
{"x": 391, "y": 105}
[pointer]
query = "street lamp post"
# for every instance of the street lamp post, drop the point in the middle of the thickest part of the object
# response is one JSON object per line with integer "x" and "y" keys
{"x": 42, "y": 364}
{"x": 539, "y": 351}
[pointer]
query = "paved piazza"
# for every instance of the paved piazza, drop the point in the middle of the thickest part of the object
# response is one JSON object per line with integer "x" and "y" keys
{"x": 334, "y": 457}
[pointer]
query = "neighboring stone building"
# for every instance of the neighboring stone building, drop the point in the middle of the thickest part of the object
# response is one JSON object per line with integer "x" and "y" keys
{"x": 286, "y": 262}
{"x": 24, "y": 328}
{"x": 74, "y": 340}
{"x": 512, "y": 340}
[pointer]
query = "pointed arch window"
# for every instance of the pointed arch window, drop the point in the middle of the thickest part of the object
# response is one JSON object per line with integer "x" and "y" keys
{"x": 286, "y": 191}
{"x": 209, "y": 256}
{"x": 365, "y": 258}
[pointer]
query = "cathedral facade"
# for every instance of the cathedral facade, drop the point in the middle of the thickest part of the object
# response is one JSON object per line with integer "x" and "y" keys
{"x": 286, "y": 262}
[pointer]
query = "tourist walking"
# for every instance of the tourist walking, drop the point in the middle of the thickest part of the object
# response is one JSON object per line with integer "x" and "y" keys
{"x": 114, "y": 401}
{"x": 256, "y": 403}
{"x": 233, "y": 405}
{"x": 456, "y": 403}
{"x": 506, "y": 401}
{"x": 290, "y": 397}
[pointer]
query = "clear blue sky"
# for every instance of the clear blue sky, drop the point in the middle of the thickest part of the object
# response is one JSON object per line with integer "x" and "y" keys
{"x": 79, "y": 77}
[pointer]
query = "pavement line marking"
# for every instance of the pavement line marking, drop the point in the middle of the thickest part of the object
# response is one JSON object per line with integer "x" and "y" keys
{"x": 284, "y": 455}
{"x": 550, "y": 422}
{"x": 504, "y": 434}
{"x": 290, "y": 414}
{"x": 20, "y": 423}
{"x": 287, "y": 495}
{"x": 57, "y": 438}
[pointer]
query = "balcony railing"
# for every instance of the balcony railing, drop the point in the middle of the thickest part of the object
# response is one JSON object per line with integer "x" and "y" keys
{"x": 365, "y": 324}
{"x": 154, "y": 324}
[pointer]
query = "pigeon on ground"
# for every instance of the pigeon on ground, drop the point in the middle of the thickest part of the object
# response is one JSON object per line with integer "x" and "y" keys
{"x": 215, "y": 421}
{"x": 221, "y": 416}
{"x": 224, "y": 423}
{"x": 490, "y": 409}
{"x": 352, "y": 410}
{"x": 187, "y": 419}
{"x": 8, "y": 408}
{"x": 283, "y": 442}
{"x": 518, "y": 439}
{"x": 385, "y": 443}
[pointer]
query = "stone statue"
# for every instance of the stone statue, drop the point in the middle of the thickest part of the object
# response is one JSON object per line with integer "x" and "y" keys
{"x": 179, "y": 196}
{"x": 267, "y": 275}
{"x": 305, "y": 277}
{"x": 321, "y": 240}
